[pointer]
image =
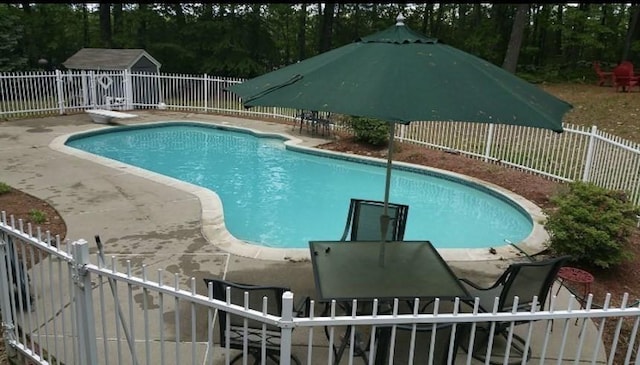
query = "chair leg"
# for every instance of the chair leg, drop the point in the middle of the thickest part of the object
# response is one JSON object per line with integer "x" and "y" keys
{"x": 237, "y": 357}
{"x": 272, "y": 356}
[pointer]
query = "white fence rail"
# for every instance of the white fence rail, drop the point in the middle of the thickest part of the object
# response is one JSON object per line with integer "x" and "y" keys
{"x": 579, "y": 153}
{"x": 59, "y": 305}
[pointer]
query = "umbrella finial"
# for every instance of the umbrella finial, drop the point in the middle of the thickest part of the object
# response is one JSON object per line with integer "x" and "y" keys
{"x": 400, "y": 20}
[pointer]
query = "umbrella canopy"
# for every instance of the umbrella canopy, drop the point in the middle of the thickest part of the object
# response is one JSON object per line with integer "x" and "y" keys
{"x": 398, "y": 75}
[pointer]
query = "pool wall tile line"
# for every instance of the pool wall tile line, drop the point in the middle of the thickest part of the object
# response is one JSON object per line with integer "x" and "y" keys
{"x": 212, "y": 217}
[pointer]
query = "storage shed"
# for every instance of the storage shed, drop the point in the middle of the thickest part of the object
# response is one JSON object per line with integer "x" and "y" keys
{"x": 106, "y": 63}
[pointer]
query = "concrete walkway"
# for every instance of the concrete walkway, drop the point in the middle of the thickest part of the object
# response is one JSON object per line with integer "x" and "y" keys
{"x": 146, "y": 221}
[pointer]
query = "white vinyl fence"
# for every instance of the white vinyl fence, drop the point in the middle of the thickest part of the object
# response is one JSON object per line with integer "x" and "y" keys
{"x": 60, "y": 305}
{"x": 580, "y": 153}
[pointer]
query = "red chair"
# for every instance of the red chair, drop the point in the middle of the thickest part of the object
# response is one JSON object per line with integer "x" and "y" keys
{"x": 603, "y": 77}
{"x": 623, "y": 77}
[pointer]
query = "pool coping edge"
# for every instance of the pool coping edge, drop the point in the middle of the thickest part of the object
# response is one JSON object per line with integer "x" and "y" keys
{"x": 212, "y": 218}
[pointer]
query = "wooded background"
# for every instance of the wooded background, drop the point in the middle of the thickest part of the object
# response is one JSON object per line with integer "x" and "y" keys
{"x": 551, "y": 42}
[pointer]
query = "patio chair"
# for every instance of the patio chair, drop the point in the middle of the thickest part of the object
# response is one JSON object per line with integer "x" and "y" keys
{"x": 623, "y": 77}
{"x": 363, "y": 221}
{"x": 254, "y": 331}
{"x": 22, "y": 296}
{"x": 603, "y": 77}
{"x": 425, "y": 346}
{"x": 524, "y": 280}
{"x": 444, "y": 340}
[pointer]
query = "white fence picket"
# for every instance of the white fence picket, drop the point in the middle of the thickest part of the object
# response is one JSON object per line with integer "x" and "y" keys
{"x": 580, "y": 153}
{"x": 39, "y": 333}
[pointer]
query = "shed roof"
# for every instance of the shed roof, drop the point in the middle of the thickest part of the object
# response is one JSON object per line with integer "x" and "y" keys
{"x": 106, "y": 59}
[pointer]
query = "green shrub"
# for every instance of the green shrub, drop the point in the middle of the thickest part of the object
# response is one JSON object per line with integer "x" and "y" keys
{"x": 4, "y": 188}
{"x": 592, "y": 224}
{"x": 371, "y": 131}
{"x": 37, "y": 216}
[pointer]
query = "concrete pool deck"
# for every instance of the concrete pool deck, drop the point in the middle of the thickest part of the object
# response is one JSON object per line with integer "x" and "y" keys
{"x": 138, "y": 213}
{"x": 146, "y": 221}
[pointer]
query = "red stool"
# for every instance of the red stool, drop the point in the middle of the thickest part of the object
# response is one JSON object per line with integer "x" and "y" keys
{"x": 576, "y": 276}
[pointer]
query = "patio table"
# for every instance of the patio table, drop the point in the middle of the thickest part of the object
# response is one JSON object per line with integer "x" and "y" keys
{"x": 412, "y": 269}
{"x": 352, "y": 270}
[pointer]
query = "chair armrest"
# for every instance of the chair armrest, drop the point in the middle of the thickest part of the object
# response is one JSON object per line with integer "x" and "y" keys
{"x": 478, "y": 287}
{"x": 472, "y": 284}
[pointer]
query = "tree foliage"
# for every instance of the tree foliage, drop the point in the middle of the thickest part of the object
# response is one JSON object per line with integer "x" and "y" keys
{"x": 246, "y": 39}
{"x": 11, "y": 57}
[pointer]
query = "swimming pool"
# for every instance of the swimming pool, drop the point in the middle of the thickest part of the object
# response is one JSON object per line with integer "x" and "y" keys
{"x": 277, "y": 197}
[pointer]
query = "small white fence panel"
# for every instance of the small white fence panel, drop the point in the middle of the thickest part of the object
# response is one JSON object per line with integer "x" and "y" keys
{"x": 61, "y": 306}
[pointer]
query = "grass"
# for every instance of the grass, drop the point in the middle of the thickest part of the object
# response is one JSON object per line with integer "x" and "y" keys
{"x": 37, "y": 216}
{"x": 4, "y": 188}
{"x": 613, "y": 112}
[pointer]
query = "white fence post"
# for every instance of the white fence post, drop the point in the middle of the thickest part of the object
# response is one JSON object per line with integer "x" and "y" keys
{"x": 92, "y": 85}
{"x": 206, "y": 92}
{"x": 85, "y": 320}
{"x": 85, "y": 88}
{"x": 8, "y": 327}
{"x": 403, "y": 128}
{"x": 128, "y": 89}
{"x": 590, "y": 150}
{"x": 60, "y": 91}
{"x": 487, "y": 146}
{"x": 286, "y": 329}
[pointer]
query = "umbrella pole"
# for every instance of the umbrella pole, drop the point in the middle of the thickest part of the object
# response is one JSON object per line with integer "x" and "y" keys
{"x": 384, "y": 218}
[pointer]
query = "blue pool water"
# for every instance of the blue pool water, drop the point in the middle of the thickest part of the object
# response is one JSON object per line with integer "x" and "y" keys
{"x": 282, "y": 198}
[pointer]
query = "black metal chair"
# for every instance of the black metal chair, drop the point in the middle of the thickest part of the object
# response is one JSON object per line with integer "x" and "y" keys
{"x": 363, "y": 221}
{"x": 254, "y": 331}
{"x": 433, "y": 343}
{"x": 427, "y": 346}
{"x": 524, "y": 280}
{"x": 22, "y": 296}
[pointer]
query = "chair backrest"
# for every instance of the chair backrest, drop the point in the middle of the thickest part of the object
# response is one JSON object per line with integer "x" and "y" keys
{"x": 596, "y": 67}
{"x": 256, "y": 294}
{"x": 363, "y": 221}
{"x": 622, "y": 74}
{"x": 628, "y": 65}
{"x": 527, "y": 280}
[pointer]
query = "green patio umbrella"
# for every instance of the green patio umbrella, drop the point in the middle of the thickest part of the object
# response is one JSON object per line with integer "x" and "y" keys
{"x": 400, "y": 76}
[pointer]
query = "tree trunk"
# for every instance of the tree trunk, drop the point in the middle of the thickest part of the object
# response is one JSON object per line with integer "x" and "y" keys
{"x": 435, "y": 26}
{"x": 539, "y": 37}
{"x": 477, "y": 15}
{"x": 207, "y": 11}
{"x": 326, "y": 28}
{"x": 356, "y": 22}
{"x": 633, "y": 25}
{"x": 29, "y": 47}
{"x": 559, "y": 20}
{"x": 142, "y": 25}
{"x": 105, "y": 25}
{"x": 302, "y": 33}
{"x": 86, "y": 41}
{"x": 426, "y": 17}
{"x": 513, "y": 50}
{"x": 180, "y": 21}
{"x": 118, "y": 29}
